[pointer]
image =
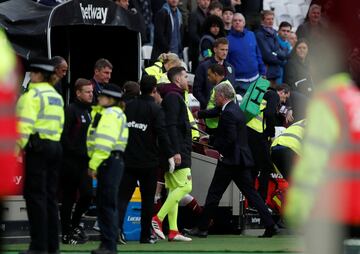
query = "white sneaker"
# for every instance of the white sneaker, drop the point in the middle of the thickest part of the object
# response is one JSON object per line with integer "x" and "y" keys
{"x": 157, "y": 227}
{"x": 180, "y": 238}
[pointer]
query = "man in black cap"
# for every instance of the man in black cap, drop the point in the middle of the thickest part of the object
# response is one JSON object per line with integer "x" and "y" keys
{"x": 41, "y": 118}
{"x": 106, "y": 143}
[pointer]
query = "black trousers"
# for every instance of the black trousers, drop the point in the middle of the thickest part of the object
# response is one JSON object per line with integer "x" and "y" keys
{"x": 74, "y": 179}
{"x": 283, "y": 158}
{"x": 224, "y": 174}
{"x": 260, "y": 149}
{"x": 109, "y": 176}
{"x": 42, "y": 165}
{"x": 147, "y": 178}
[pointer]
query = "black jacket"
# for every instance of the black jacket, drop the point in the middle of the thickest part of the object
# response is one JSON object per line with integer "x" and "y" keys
{"x": 202, "y": 85}
{"x": 271, "y": 111}
{"x": 177, "y": 123}
{"x": 162, "y": 34}
{"x": 297, "y": 76}
{"x": 77, "y": 121}
{"x": 231, "y": 137}
{"x": 147, "y": 132}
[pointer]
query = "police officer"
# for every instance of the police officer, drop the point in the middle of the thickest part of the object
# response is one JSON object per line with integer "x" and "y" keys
{"x": 106, "y": 143}
{"x": 41, "y": 118}
{"x": 286, "y": 147}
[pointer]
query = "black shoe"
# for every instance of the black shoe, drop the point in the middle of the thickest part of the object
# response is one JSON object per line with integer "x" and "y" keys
{"x": 270, "y": 231}
{"x": 196, "y": 232}
{"x": 72, "y": 240}
{"x": 103, "y": 251}
{"x": 79, "y": 233}
{"x": 121, "y": 239}
{"x": 32, "y": 252}
{"x": 150, "y": 240}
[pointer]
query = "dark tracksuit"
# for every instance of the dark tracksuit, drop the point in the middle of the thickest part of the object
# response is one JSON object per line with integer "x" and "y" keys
{"x": 74, "y": 174}
{"x": 260, "y": 143}
{"x": 147, "y": 133}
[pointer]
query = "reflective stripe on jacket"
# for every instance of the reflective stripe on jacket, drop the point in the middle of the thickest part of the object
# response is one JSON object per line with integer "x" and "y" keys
{"x": 292, "y": 137}
{"x": 212, "y": 123}
{"x": 40, "y": 110}
{"x": 257, "y": 123}
{"x": 108, "y": 132}
{"x": 155, "y": 70}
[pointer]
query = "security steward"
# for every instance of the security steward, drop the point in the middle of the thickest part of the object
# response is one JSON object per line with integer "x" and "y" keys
{"x": 324, "y": 195}
{"x": 261, "y": 129}
{"x": 287, "y": 147}
{"x": 216, "y": 76}
{"x": 106, "y": 143}
{"x": 41, "y": 118}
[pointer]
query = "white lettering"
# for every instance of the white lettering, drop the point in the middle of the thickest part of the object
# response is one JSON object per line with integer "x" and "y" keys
{"x": 104, "y": 14}
{"x": 134, "y": 218}
{"x": 140, "y": 126}
{"x": 255, "y": 220}
{"x": 97, "y": 13}
{"x": 17, "y": 179}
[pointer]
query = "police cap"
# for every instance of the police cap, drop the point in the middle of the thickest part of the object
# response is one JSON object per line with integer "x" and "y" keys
{"x": 40, "y": 64}
{"x": 112, "y": 90}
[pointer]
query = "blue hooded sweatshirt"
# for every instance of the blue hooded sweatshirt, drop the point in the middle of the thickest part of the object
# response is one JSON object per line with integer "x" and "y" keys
{"x": 244, "y": 54}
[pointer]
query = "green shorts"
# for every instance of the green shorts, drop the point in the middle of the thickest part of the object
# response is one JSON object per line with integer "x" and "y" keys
{"x": 179, "y": 178}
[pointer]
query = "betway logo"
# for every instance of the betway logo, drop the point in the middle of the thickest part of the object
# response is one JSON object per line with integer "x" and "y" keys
{"x": 90, "y": 12}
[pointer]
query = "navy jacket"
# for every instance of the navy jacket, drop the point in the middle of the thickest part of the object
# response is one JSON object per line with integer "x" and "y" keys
{"x": 231, "y": 137}
{"x": 202, "y": 86}
{"x": 163, "y": 33}
{"x": 273, "y": 55}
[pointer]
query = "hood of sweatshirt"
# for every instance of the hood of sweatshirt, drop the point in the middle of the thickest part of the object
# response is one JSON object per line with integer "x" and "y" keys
{"x": 170, "y": 88}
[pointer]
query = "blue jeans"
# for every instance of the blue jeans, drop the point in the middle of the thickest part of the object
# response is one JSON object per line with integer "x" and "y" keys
{"x": 241, "y": 87}
{"x": 109, "y": 177}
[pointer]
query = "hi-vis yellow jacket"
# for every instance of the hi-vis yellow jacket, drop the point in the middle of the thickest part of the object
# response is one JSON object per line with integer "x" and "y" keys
{"x": 292, "y": 137}
{"x": 155, "y": 70}
{"x": 107, "y": 132}
{"x": 212, "y": 123}
{"x": 40, "y": 110}
{"x": 257, "y": 123}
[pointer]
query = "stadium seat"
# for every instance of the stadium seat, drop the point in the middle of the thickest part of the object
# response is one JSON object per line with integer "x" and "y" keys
{"x": 281, "y": 14}
{"x": 186, "y": 57}
{"x": 146, "y": 52}
{"x": 284, "y": 17}
{"x": 296, "y": 13}
{"x": 304, "y": 9}
{"x": 212, "y": 153}
{"x": 191, "y": 78}
{"x": 267, "y": 5}
{"x": 296, "y": 2}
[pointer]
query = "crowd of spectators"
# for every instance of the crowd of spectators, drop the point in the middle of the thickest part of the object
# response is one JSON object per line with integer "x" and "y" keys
{"x": 231, "y": 44}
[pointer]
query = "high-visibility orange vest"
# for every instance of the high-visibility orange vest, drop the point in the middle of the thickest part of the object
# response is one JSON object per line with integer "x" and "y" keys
{"x": 340, "y": 189}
